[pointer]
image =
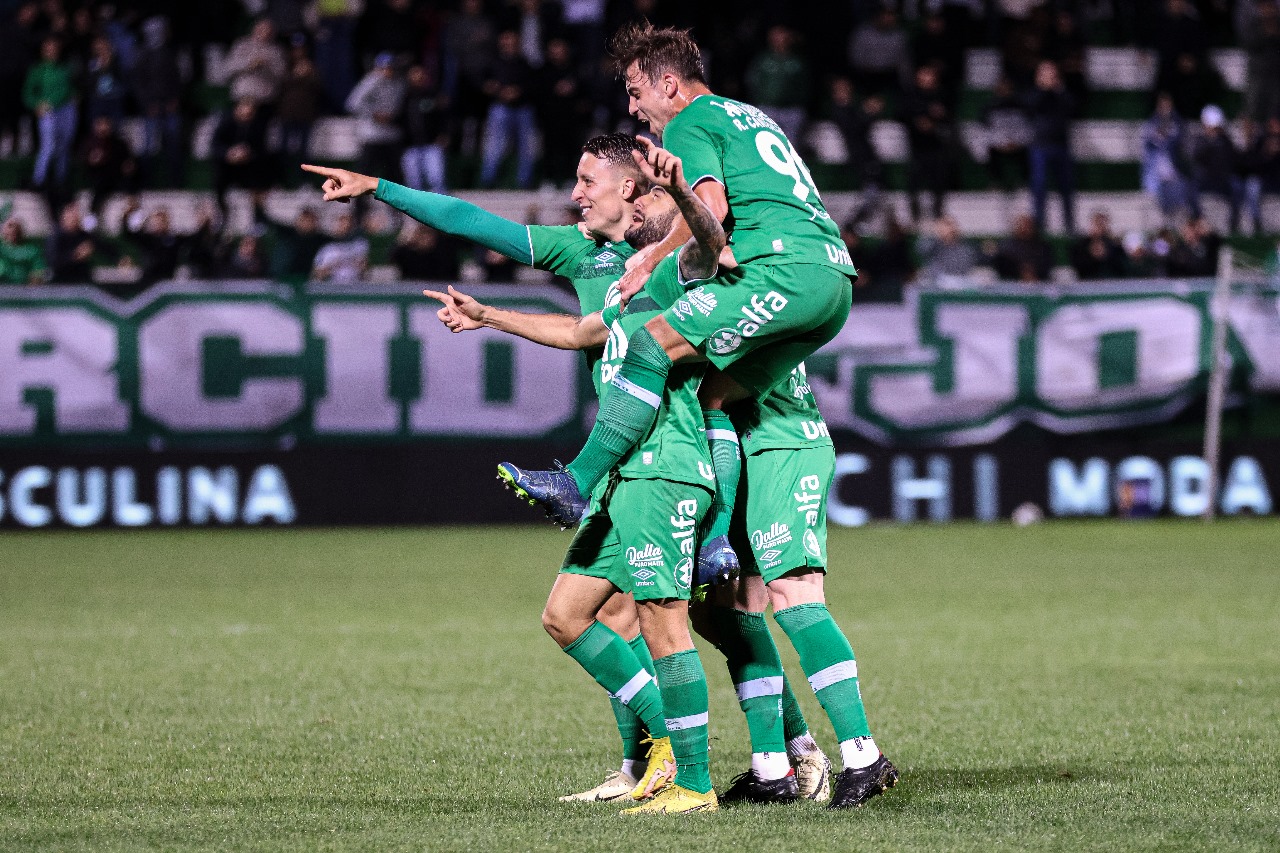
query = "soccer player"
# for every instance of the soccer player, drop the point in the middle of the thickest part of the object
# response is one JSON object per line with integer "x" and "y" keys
{"x": 607, "y": 186}
{"x": 652, "y": 505}
{"x": 755, "y": 323}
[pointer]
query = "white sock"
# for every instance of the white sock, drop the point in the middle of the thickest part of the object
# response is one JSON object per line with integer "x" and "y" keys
{"x": 634, "y": 767}
{"x": 770, "y": 765}
{"x": 802, "y": 745}
{"x": 858, "y": 752}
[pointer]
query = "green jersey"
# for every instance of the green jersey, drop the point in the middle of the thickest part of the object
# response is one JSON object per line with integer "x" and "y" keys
{"x": 675, "y": 448}
{"x": 590, "y": 266}
{"x": 775, "y": 213}
{"x": 785, "y": 418}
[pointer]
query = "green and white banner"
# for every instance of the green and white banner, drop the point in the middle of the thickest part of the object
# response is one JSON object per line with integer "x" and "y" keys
{"x": 258, "y": 366}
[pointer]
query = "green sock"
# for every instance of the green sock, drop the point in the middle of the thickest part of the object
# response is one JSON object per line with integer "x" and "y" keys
{"x": 794, "y": 724}
{"x": 628, "y": 412}
{"x": 827, "y": 659}
{"x": 684, "y": 695}
{"x": 614, "y": 666}
{"x": 726, "y": 458}
{"x": 756, "y": 672}
{"x": 631, "y": 727}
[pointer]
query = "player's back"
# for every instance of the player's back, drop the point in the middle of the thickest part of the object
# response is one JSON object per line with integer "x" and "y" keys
{"x": 775, "y": 212}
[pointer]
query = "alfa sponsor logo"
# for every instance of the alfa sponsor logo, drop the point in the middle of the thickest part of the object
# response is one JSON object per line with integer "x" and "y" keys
{"x": 809, "y": 498}
{"x": 811, "y": 545}
{"x": 760, "y": 311}
{"x": 684, "y": 523}
{"x": 649, "y": 555}
{"x": 777, "y": 534}
{"x": 707, "y": 472}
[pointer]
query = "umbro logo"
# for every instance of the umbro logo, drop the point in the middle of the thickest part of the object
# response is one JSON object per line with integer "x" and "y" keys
{"x": 644, "y": 575}
{"x": 770, "y": 555}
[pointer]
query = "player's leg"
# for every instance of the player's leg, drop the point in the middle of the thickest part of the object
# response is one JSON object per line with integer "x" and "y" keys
{"x": 662, "y": 518}
{"x": 716, "y": 557}
{"x": 794, "y": 577}
{"x": 619, "y": 614}
{"x": 593, "y": 573}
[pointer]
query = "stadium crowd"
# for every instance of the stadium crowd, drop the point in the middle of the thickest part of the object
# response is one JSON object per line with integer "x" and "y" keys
{"x": 476, "y": 94}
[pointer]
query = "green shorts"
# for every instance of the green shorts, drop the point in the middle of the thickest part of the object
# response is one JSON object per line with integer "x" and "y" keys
{"x": 642, "y": 536}
{"x": 780, "y": 518}
{"x": 756, "y": 323}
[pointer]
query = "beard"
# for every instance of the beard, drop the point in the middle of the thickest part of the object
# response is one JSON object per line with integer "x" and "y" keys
{"x": 653, "y": 229}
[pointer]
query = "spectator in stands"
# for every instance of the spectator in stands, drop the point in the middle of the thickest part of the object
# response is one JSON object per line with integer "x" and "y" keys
{"x": 239, "y": 151}
{"x": 947, "y": 260}
{"x": 50, "y": 93}
{"x": 778, "y": 82}
{"x": 376, "y": 102}
{"x": 510, "y": 121}
{"x": 426, "y": 123}
{"x": 108, "y": 163}
{"x": 1024, "y": 255}
{"x": 563, "y": 112}
{"x": 246, "y": 261}
{"x": 1194, "y": 254}
{"x": 423, "y": 254}
{"x": 293, "y": 247}
{"x": 301, "y": 95}
{"x": 538, "y": 23}
{"x": 878, "y": 54}
{"x": 885, "y": 268}
{"x": 21, "y": 262}
{"x": 1065, "y": 46}
{"x": 1193, "y": 82}
{"x": 107, "y": 88}
{"x": 584, "y": 25}
{"x": 1140, "y": 260}
{"x": 1008, "y": 135}
{"x": 152, "y": 236}
{"x": 467, "y": 48}
{"x": 256, "y": 65}
{"x": 1098, "y": 254}
{"x": 932, "y": 132}
{"x": 335, "y": 48}
{"x": 1050, "y": 107}
{"x": 157, "y": 86}
{"x": 1215, "y": 164}
{"x": 345, "y": 258}
{"x": 1260, "y": 37}
{"x": 1162, "y": 157}
{"x": 936, "y": 45}
{"x": 854, "y": 119}
{"x": 19, "y": 44}
{"x": 1264, "y": 159}
{"x": 1178, "y": 31}
{"x": 71, "y": 250}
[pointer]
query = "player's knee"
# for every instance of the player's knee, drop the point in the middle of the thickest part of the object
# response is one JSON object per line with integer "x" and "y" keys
{"x": 556, "y": 623}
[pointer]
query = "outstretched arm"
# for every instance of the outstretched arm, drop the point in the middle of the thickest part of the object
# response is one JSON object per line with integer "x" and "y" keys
{"x": 462, "y": 313}
{"x": 444, "y": 213}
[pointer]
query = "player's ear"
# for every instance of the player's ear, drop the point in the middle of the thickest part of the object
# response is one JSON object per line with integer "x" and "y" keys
{"x": 630, "y": 189}
{"x": 670, "y": 85}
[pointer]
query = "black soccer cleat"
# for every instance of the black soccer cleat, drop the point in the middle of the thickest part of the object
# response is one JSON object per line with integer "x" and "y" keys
{"x": 555, "y": 490}
{"x": 749, "y": 788}
{"x": 855, "y": 787}
{"x": 717, "y": 562}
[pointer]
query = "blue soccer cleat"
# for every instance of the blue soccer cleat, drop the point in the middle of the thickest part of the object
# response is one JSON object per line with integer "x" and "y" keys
{"x": 717, "y": 562}
{"x": 556, "y": 491}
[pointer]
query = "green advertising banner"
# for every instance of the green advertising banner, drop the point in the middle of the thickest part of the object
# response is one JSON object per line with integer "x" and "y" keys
{"x": 260, "y": 366}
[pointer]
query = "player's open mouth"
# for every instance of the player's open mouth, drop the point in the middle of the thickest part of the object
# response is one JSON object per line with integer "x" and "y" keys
{"x": 637, "y": 218}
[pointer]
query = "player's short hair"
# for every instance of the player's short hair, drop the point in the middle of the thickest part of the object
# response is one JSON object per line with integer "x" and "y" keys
{"x": 657, "y": 50}
{"x": 615, "y": 149}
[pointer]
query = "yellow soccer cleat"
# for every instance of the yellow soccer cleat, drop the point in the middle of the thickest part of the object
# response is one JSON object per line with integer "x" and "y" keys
{"x": 616, "y": 786}
{"x": 676, "y": 800}
{"x": 813, "y": 776}
{"x": 660, "y": 772}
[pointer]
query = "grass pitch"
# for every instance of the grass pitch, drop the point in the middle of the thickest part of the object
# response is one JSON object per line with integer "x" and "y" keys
{"x": 1066, "y": 686}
